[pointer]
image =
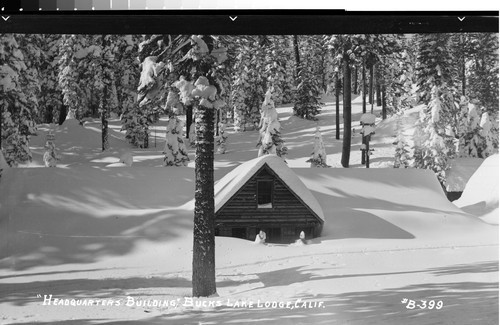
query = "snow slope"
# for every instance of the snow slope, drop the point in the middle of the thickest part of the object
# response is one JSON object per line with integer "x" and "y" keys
{"x": 480, "y": 196}
{"x": 85, "y": 231}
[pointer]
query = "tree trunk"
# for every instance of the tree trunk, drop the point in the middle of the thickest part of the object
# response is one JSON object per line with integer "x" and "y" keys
{"x": 297, "y": 53}
{"x": 63, "y": 112}
{"x": 355, "y": 90}
{"x": 204, "y": 210}
{"x": 337, "y": 106}
{"x": 370, "y": 98}
{"x": 363, "y": 79}
{"x": 104, "y": 120}
{"x": 462, "y": 63}
{"x": 384, "y": 104}
{"x": 217, "y": 120}
{"x": 379, "y": 94}
{"x": 346, "y": 144}
{"x": 146, "y": 137}
{"x": 367, "y": 152}
{"x": 189, "y": 119}
{"x": 104, "y": 100}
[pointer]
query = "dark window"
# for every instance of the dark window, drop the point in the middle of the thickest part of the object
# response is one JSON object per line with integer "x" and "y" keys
{"x": 265, "y": 194}
{"x": 239, "y": 233}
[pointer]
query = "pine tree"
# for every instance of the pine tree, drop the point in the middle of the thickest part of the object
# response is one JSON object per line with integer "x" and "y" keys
{"x": 435, "y": 65}
{"x": 248, "y": 83}
{"x": 402, "y": 158}
{"x": 17, "y": 114}
{"x": 318, "y": 156}
{"x": 50, "y": 103}
{"x": 69, "y": 75}
{"x": 434, "y": 139}
{"x": 175, "y": 150}
{"x": 221, "y": 139}
{"x": 309, "y": 76}
{"x": 468, "y": 129}
{"x": 270, "y": 141}
{"x": 483, "y": 70}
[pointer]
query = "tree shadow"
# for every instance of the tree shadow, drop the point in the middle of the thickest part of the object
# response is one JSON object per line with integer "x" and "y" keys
{"x": 463, "y": 302}
{"x": 102, "y": 214}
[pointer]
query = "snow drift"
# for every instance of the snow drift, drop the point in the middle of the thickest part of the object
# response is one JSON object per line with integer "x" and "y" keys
{"x": 480, "y": 196}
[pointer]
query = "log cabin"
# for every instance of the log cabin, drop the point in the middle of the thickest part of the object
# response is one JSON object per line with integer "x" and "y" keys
{"x": 265, "y": 194}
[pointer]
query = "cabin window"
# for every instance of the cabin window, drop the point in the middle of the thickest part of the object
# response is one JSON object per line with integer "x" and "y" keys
{"x": 265, "y": 194}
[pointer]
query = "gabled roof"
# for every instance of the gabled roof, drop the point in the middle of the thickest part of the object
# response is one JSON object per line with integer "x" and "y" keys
{"x": 229, "y": 185}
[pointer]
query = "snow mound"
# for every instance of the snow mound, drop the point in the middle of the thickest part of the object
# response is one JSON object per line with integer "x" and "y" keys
{"x": 461, "y": 170}
{"x": 384, "y": 203}
{"x": 480, "y": 196}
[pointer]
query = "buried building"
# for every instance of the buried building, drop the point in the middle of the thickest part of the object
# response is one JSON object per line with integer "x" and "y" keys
{"x": 265, "y": 194}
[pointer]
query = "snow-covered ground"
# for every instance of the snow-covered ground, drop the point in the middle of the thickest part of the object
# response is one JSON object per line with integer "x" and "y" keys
{"x": 122, "y": 237}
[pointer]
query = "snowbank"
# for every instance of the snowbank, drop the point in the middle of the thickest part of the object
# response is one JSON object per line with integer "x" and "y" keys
{"x": 461, "y": 170}
{"x": 480, "y": 196}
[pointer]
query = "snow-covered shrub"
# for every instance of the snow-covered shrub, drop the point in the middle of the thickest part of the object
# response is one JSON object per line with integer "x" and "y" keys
{"x": 318, "y": 156}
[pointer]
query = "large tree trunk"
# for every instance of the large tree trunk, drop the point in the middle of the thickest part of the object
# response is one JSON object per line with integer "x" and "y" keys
{"x": 363, "y": 79}
{"x": 370, "y": 98}
{"x": 189, "y": 119}
{"x": 104, "y": 120}
{"x": 346, "y": 143}
{"x": 104, "y": 99}
{"x": 384, "y": 104}
{"x": 204, "y": 210}
{"x": 297, "y": 53}
{"x": 337, "y": 106}
{"x": 355, "y": 90}
{"x": 462, "y": 66}
{"x": 379, "y": 94}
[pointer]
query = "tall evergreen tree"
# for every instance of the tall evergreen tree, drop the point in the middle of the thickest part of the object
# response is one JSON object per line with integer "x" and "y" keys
{"x": 309, "y": 76}
{"x": 17, "y": 113}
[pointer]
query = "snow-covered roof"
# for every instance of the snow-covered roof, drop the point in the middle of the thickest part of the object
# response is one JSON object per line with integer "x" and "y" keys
{"x": 227, "y": 186}
{"x": 461, "y": 170}
{"x": 367, "y": 118}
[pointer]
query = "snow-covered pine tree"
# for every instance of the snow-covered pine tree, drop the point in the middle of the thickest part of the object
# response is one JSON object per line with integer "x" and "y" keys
{"x": 175, "y": 150}
{"x": 248, "y": 83}
{"x": 152, "y": 91}
{"x": 309, "y": 76}
{"x": 278, "y": 55}
{"x": 18, "y": 117}
{"x": 270, "y": 141}
{"x": 483, "y": 76}
{"x": 434, "y": 139}
{"x": 483, "y": 70}
{"x": 468, "y": 129}
{"x": 68, "y": 76}
{"x": 487, "y": 135}
{"x": 435, "y": 64}
{"x": 50, "y": 103}
{"x": 31, "y": 47}
{"x": 222, "y": 138}
{"x": 402, "y": 158}
{"x": 395, "y": 73}
{"x": 126, "y": 72}
{"x": 318, "y": 156}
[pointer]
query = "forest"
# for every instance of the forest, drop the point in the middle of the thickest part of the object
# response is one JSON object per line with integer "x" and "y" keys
{"x": 140, "y": 78}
